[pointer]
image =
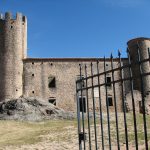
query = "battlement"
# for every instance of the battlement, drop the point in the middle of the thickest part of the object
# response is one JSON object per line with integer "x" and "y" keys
{"x": 9, "y": 16}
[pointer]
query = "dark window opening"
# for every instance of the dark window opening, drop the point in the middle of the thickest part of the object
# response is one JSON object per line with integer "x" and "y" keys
{"x": 32, "y": 75}
{"x": 110, "y": 101}
{"x": 81, "y": 84}
{"x": 52, "y": 82}
{"x": 16, "y": 89}
{"x": 108, "y": 81}
{"x": 82, "y": 102}
{"x": 52, "y": 100}
{"x": 51, "y": 64}
{"x": 12, "y": 22}
{"x": 33, "y": 92}
{"x": 32, "y": 63}
{"x": 11, "y": 27}
{"x": 106, "y": 64}
{"x": 23, "y": 18}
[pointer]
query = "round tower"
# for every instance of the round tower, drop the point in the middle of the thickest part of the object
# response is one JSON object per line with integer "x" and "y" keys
{"x": 143, "y": 44}
{"x": 12, "y": 50}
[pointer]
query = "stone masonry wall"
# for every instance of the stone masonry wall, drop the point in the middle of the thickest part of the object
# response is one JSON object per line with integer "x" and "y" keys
{"x": 37, "y": 71}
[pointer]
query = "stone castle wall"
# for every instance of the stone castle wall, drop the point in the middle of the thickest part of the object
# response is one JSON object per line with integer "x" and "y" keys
{"x": 66, "y": 72}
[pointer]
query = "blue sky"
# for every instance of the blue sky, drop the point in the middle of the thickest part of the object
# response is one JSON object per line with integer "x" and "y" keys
{"x": 81, "y": 28}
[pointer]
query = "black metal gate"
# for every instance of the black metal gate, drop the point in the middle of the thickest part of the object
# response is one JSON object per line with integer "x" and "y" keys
{"x": 112, "y": 103}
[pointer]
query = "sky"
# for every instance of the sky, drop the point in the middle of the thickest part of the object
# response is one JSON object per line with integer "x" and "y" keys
{"x": 81, "y": 28}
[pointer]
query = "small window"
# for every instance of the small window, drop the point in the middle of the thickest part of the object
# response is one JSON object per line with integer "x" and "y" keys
{"x": 110, "y": 101}
{"x": 33, "y": 75}
{"x": 52, "y": 82}
{"x": 82, "y": 104}
{"x": 33, "y": 92}
{"x": 11, "y": 27}
{"x": 52, "y": 100}
{"x": 32, "y": 63}
{"x": 108, "y": 81}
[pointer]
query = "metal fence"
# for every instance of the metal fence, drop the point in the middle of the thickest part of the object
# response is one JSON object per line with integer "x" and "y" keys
{"x": 104, "y": 120}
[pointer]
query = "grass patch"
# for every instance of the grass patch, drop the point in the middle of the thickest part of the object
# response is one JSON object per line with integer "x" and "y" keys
{"x": 19, "y": 133}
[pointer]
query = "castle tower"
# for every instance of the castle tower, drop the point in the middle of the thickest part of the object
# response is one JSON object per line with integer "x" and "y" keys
{"x": 13, "y": 45}
{"x": 143, "y": 44}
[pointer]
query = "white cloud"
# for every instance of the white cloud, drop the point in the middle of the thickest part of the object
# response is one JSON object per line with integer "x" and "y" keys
{"x": 125, "y": 3}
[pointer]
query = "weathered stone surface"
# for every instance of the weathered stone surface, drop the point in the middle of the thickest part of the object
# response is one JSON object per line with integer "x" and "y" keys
{"x": 12, "y": 50}
{"x": 32, "y": 109}
{"x": 66, "y": 72}
{"x": 147, "y": 104}
{"x": 137, "y": 102}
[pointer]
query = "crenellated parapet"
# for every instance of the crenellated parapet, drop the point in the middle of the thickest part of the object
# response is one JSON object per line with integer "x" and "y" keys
{"x": 8, "y": 16}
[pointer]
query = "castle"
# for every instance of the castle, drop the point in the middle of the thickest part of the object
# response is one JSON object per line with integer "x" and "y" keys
{"x": 51, "y": 79}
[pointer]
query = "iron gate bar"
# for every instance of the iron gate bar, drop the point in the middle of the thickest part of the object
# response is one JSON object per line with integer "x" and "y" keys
{"x": 143, "y": 99}
{"x": 133, "y": 101}
{"x": 123, "y": 102}
{"x": 78, "y": 117}
{"x": 95, "y": 131}
{"x": 100, "y": 107}
{"x": 87, "y": 97}
{"x": 109, "y": 135}
{"x": 116, "y": 113}
{"x": 82, "y": 108}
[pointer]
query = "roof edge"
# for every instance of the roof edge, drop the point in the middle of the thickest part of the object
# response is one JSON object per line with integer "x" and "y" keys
{"x": 71, "y": 59}
{"x": 137, "y": 39}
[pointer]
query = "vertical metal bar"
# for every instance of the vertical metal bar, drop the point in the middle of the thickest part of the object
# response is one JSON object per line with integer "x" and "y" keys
{"x": 133, "y": 101}
{"x": 115, "y": 103}
{"x": 88, "y": 116}
{"x": 106, "y": 92}
{"x": 100, "y": 106}
{"x": 78, "y": 116}
{"x": 123, "y": 101}
{"x": 149, "y": 53}
{"x": 95, "y": 130}
{"x": 143, "y": 98}
{"x": 82, "y": 107}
